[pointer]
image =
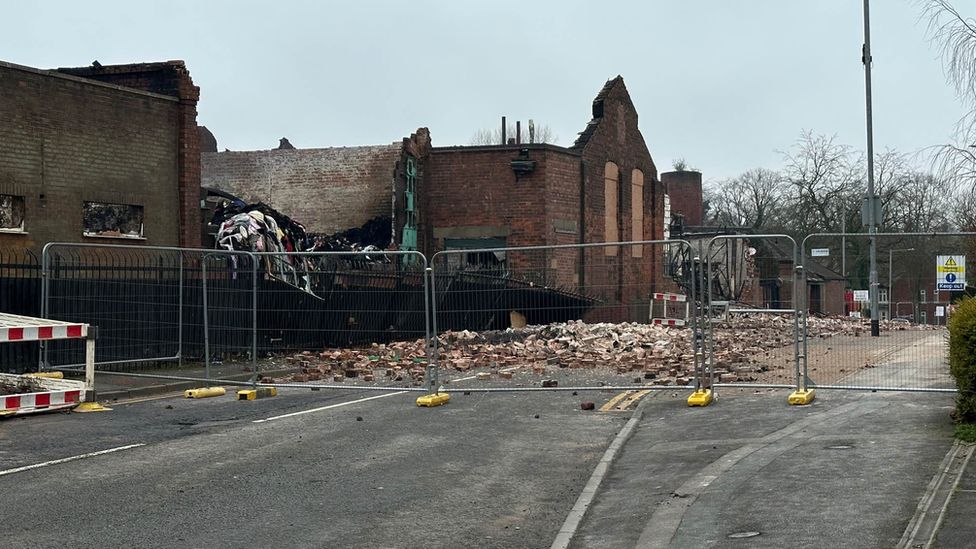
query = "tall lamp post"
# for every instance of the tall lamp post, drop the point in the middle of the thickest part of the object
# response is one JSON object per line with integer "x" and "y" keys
{"x": 891, "y": 284}
{"x": 871, "y": 203}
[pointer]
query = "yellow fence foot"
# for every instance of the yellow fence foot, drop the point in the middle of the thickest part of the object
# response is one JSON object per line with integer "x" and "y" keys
{"x": 801, "y": 398}
{"x": 85, "y": 407}
{"x": 433, "y": 399}
{"x": 262, "y": 392}
{"x": 701, "y": 397}
{"x": 205, "y": 392}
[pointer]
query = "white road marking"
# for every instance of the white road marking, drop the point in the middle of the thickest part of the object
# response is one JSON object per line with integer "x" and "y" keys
{"x": 67, "y": 459}
{"x": 331, "y": 406}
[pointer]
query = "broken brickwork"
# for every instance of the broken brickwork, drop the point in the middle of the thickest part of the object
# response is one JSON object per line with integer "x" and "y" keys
{"x": 327, "y": 189}
{"x": 535, "y": 194}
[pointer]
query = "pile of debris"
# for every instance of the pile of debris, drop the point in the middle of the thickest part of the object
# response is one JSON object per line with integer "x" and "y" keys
{"x": 663, "y": 355}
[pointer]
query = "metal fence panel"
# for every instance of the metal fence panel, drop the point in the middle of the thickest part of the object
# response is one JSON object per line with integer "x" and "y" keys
{"x": 624, "y": 310}
{"x": 753, "y": 326}
{"x": 157, "y": 306}
{"x": 20, "y": 287}
{"x": 911, "y": 351}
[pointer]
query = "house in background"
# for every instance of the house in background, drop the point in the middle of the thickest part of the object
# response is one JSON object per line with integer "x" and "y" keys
{"x": 100, "y": 154}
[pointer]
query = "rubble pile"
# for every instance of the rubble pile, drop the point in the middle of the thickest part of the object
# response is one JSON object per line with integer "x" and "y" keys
{"x": 663, "y": 355}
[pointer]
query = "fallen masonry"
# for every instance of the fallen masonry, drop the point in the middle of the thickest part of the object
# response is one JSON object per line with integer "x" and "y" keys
{"x": 662, "y": 354}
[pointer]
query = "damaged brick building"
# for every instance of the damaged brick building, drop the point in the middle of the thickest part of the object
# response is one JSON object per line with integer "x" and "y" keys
{"x": 329, "y": 189}
{"x": 107, "y": 153}
{"x": 604, "y": 188}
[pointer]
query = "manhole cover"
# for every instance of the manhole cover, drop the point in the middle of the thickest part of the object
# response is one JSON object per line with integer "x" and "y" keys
{"x": 740, "y": 535}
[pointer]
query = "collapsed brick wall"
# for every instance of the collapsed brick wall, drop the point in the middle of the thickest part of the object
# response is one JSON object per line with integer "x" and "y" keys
{"x": 327, "y": 190}
{"x": 66, "y": 140}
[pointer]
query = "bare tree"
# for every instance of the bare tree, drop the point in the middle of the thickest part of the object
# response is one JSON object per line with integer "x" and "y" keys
{"x": 542, "y": 134}
{"x": 955, "y": 35}
{"x": 753, "y": 199}
{"x": 824, "y": 178}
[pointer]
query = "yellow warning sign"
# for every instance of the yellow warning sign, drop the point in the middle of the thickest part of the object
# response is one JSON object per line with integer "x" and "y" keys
{"x": 950, "y": 272}
{"x": 949, "y": 264}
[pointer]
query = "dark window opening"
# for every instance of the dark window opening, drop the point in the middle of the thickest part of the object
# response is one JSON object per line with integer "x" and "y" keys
{"x": 113, "y": 220}
{"x": 11, "y": 213}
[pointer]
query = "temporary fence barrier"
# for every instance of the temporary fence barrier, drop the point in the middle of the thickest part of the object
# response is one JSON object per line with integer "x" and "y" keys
{"x": 158, "y": 305}
{"x": 752, "y": 335}
{"x": 534, "y": 310}
{"x": 20, "y": 285}
{"x": 918, "y": 278}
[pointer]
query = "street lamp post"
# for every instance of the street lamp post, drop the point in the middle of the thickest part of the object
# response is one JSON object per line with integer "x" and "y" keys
{"x": 870, "y": 200}
{"x": 891, "y": 284}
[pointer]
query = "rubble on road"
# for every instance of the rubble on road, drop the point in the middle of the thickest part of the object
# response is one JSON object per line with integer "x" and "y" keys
{"x": 662, "y": 353}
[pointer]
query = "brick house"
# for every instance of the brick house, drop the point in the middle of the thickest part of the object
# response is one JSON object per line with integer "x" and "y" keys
{"x": 105, "y": 154}
{"x": 329, "y": 189}
{"x": 604, "y": 188}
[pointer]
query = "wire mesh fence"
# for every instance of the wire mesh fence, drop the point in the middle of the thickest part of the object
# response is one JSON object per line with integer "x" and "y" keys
{"x": 753, "y": 324}
{"x": 619, "y": 313}
{"x": 919, "y": 277}
{"x": 158, "y": 306}
{"x": 20, "y": 285}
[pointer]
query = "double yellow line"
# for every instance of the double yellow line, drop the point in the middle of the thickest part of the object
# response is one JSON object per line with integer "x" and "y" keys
{"x": 623, "y": 401}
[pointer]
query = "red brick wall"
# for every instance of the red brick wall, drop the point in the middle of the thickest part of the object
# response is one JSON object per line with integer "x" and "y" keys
{"x": 614, "y": 136}
{"x": 685, "y": 190}
{"x": 476, "y": 187}
{"x": 64, "y": 141}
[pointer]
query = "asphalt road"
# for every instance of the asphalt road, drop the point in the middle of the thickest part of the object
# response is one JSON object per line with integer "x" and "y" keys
{"x": 487, "y": 470}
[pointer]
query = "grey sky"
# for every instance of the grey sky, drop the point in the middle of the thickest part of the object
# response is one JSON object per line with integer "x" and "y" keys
{"x": 722, "y": 83}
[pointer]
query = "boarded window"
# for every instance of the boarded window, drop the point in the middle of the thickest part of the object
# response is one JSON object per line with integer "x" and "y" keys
{"x": 637, "y": 210}
{"x": 611, "y": 180}
{"x": 113, "y": 220}
{"x": 11, "y": 213}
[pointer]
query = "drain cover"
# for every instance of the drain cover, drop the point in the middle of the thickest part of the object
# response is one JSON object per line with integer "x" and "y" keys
{"x": 840, "y": 447}
{"x": 740, "y": 535}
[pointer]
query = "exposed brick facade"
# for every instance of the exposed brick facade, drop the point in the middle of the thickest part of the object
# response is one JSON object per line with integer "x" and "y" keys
{"x": 685, "y": 190}
{"x": 327, "y": 190}
{"x": 65, "y": 140}
{"x": 472, "y": 193}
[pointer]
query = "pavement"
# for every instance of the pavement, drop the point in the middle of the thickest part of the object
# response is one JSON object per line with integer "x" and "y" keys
{"x": 852, "y": 469}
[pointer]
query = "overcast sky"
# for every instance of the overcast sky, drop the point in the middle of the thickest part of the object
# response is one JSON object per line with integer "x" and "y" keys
{"x": 723, "y": 84}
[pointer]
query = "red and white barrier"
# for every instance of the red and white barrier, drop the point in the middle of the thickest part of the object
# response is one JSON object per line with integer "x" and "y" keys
{"x": 670, "y": 297}
{"x": 59, "y": 394}
{"x": 24, "y": 328}
{"x": 668, "y": 321}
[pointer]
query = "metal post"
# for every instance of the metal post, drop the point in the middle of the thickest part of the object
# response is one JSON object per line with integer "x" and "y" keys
{"x": 45, "y": 276}
{"x": 206, "y": 323}
{"x": 434, "y": 347}
{"x": 254, "y": 321}
{"x": 432, "y": 369}
{"x": 90, "y": 364}
{"x": 179, "y": 321}
{"x": 871, "y": 198}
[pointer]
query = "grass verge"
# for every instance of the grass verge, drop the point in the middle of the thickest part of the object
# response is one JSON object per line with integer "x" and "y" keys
{"x": 966, "y": 432}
